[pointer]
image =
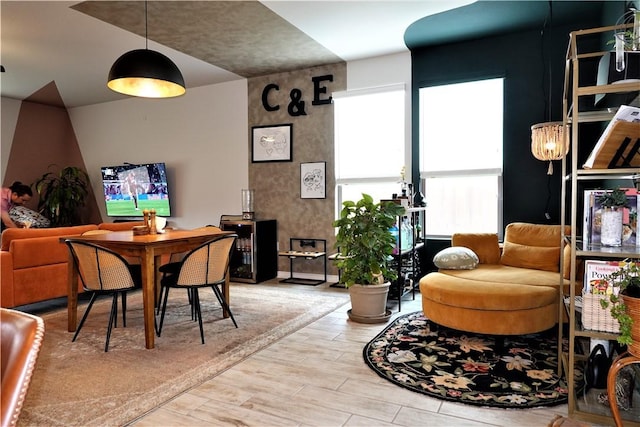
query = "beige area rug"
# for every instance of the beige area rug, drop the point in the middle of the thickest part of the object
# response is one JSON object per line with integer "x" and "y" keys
{"x": 79, "y": 384}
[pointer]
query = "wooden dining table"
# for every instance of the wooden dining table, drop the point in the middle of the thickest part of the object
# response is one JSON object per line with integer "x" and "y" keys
{"x": 149, "y": 248}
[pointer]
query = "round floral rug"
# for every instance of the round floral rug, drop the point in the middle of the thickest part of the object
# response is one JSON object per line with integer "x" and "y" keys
{"x": 466, "y": 367}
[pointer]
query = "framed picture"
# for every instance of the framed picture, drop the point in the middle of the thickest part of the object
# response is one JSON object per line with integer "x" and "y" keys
{"x": 271, "y": 143}
{"x": 313, "y": 180}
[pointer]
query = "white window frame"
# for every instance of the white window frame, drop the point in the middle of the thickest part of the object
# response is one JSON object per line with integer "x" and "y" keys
{"x": 392, "y": 178}
{"x": 464, "y": 173}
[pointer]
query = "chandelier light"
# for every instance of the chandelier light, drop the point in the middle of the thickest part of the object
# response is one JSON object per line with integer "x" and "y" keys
{"x": 549, "y": 141}
{"x": 146, "y": 73}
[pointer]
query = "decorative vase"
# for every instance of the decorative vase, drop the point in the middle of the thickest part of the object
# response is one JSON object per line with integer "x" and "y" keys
{"x": 611, "y": 227}
{"x": 633, "y": 309}
{"x": 369, "y": 303}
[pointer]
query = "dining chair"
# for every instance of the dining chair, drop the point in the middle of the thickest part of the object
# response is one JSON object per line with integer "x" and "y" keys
{"x": 203, "y": 267}
{"x": 134, "y": 262}
{"x": 173, "y": 266}
{"x": 102, "y": 272}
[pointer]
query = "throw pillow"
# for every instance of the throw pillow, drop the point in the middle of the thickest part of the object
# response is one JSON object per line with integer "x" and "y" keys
{"x": 535, "y": 257}
{"x": 25, "y": 216}
{"x": 456, "y": 258}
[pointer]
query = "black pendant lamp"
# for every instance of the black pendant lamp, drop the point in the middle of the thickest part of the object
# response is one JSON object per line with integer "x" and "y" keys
{"x": 146, "y": 73}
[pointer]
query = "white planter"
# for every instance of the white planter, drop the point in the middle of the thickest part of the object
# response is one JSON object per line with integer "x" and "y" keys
{"x": 369, "y": 302}
{"x": 611, "y": 227}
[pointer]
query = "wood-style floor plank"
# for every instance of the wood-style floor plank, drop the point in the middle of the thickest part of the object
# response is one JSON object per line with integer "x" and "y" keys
{"x": 317, "y": 377}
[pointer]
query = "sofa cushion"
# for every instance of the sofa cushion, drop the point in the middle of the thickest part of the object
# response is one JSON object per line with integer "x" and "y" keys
{"x": 24, "y": 215}
{"x": 456, "y": 258}
{"x": 534, "y": 257}
{"x": 38, "y": 251}
{"x": 484, "y": 245}
{"x": 506, "y": 274}
{"x": 535, "y": 246}
{"x": 472, "y": 294}
{"x": 26, "y": 233}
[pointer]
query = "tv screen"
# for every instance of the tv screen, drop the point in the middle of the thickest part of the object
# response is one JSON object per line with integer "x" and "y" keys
{"x": 129, "y": 189}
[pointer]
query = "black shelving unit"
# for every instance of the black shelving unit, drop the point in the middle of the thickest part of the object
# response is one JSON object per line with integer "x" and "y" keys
{"x": 408, "y": 262}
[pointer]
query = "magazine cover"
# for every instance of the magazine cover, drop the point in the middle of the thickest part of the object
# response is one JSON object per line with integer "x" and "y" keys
{"x": 593, "y": 215}
{"x": 595, "y": 276}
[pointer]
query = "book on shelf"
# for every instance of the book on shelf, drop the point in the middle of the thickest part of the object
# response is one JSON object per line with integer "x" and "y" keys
{"x": 619, "y": 144}
{"x": 597, "y": 274}
{"x": 593, "y": 218}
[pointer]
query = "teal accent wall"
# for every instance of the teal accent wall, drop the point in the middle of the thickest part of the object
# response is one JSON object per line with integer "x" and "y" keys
{"x": 525, "y": 63}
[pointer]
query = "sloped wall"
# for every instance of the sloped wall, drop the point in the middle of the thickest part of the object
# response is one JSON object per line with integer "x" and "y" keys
{"x": 44, "y": 141}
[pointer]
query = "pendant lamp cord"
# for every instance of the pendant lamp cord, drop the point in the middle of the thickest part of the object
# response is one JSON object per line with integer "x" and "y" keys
{"x": 146, "y": 27}
{"x": 546, "y": 64}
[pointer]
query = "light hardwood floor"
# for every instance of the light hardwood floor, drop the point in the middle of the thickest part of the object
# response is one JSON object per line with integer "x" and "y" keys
{"x": 317, "y": 377}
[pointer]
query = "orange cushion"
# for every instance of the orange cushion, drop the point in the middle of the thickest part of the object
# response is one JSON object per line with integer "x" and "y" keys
{"x": 535, "y": 257}
{"x": 484, "y": 245}
{"x": 535, "y": 246}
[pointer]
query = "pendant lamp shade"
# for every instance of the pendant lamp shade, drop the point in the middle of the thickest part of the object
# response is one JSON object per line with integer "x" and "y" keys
{"x": 146, "y": 73}
{"x": 549, "y": 141}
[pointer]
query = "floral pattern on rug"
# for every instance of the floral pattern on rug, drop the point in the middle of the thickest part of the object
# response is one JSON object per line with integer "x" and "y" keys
{"x": 463, "y": 367}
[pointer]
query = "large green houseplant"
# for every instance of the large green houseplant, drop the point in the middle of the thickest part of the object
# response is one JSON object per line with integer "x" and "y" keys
{"x": 366, "y": 244}
{"x": 62, "y": 194}
{"x": 624, "y": 303}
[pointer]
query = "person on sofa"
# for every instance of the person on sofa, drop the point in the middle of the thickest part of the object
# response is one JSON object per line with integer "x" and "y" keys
{"x": 16, "y": 195}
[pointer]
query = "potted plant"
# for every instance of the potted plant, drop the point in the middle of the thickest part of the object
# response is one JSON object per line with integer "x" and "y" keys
{"x": 612, "y": 203}
{"x": 62, "y": 194}
{"x": 624, "y": 304}
{"x": 365, "y": 244}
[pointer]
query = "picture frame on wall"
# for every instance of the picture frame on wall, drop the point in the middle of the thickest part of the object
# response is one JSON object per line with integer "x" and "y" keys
{"x": 313, "y": 180}
{"x": 271, "y": 143}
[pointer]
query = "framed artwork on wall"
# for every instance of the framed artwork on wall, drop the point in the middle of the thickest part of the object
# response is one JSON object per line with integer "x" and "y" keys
{"x": 313, "y": 180}
{"x": 271, "y": 143}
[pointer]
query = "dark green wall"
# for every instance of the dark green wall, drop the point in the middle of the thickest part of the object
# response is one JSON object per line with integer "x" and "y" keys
{"x": 524, "y": 62}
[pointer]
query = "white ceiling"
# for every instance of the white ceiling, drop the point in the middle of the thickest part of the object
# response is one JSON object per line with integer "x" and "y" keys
{"x": 47, "y": 41}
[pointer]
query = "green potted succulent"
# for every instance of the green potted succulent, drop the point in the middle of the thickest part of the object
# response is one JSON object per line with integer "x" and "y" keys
{"x": 366, "y": 245}
{"x": 62, "y": 194}
{"x": 624, "y": 304}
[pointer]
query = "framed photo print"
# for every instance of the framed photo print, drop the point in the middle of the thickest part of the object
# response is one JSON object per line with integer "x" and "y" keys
{"x": 271, "y": 143}
{"x": 313, "y": 180}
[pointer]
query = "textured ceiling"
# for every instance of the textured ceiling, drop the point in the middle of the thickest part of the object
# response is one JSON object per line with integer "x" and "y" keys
{"x": 228, "y": 34}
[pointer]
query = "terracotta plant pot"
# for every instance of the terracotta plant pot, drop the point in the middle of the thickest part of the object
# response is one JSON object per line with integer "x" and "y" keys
{"x": 633, "y": 309}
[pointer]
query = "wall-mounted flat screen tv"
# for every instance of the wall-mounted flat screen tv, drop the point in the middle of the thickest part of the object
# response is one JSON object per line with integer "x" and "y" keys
{"x": 129, "y": 189}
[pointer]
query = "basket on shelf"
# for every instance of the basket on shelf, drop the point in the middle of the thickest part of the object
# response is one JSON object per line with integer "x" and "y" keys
{"x": 596, "y": 318}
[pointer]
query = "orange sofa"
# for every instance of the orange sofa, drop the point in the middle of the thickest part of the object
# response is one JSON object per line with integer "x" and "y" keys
{"x": 512, "y": 290}
{"x": 33, "y": 262}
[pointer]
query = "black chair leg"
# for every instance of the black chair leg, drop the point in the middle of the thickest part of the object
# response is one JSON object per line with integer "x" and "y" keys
{"x": 164, "y": 308}
{"x": 112, "y": 319}
{"x": 223, "y": 303}
{"x": 124, "y": 309}
{"x": 84, "y": 316}
{"x": 195, "y": 297}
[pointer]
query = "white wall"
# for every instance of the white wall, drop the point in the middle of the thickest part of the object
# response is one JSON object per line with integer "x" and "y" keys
{"x": 202, "y": 137}
{"x": 9, "y": 110}
{"x": 384, "y": 71}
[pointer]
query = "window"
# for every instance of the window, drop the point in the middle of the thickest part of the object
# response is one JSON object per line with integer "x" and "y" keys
{"x": 461, "y": 128}
{"x": 369, "y": 142}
